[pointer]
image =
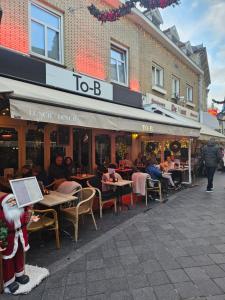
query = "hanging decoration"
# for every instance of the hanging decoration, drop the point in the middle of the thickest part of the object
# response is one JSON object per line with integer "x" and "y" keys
{"x": 175, "y": 146}
{"x": 218, "y": 102}
{"x": 150, "y": 147}
{"x": 115, "y": 14}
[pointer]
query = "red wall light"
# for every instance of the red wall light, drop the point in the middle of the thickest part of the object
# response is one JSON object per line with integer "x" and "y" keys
{"x": 90, "y": 65}
{"x": 134, "y": 85}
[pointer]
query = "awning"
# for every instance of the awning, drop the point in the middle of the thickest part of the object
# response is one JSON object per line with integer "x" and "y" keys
{"x": 37, "y": 103}
{"x": 205, "y": 133}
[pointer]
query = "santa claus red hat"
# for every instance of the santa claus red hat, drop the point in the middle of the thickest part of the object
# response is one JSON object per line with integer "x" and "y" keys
{"x": 5, "y": 198}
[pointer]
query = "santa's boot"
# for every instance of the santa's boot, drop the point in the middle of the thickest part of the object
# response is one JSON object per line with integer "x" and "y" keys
{"x": 23, "y": 279}
{"x": 12, "y": 288}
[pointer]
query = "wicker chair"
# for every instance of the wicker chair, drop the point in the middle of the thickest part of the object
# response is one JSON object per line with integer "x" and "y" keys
{"x": 153, "y": 186}
{"x": 48, "y": 220}
{"x": 104, "y": 198}
{"x": 72, "y": 214}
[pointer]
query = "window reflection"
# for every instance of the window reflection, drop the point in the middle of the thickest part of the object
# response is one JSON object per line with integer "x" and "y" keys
{"x": 8, "y": 149}
{"x": 81, "y": 148}
{"x": 102, "y": 149}
{"x": 35, "y": 147}
{"x": 56, "y": 148}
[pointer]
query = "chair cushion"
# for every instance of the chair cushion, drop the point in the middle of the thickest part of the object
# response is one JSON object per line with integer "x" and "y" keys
{"x": 42, "y": 223}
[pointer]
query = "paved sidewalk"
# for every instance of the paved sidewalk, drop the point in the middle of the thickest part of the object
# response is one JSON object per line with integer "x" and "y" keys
{"x": 174, "y": 251}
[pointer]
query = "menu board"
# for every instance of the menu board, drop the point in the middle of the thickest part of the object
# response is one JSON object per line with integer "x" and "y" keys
{"x": 26, "y": 191}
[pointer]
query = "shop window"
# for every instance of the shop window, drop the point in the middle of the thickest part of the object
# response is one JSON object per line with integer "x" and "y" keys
{"x": 55, "y": 147}
{"x": 123, "y": 146}
{"x": 35, "y": 146}
{"x": 46, "y": 33}
{"x": 119, "y": 65}
{"x": 102, "y": 149}
{"x": 8, "y": 149}
{"x": 175, "y": 88}
{"x": 81, "y": 149}
{"x": 157, "y": 76}
{"x": 189, "y": 95}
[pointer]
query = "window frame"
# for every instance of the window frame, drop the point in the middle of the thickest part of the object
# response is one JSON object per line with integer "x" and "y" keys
{"x": 189, "y": 87}
{"x": 174, "y": 92}
{"x": 118, "y": 47}
{"x": 161, "y": 70}
{"x": 60, "y": 31}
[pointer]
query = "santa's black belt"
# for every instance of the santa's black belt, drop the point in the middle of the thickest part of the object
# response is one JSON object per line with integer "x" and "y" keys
{"x": 16, "y": 230}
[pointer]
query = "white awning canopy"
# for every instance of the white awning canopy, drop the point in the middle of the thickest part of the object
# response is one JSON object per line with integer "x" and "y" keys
{"x": 205, "y": 133}
{"x": 37, "y": 103}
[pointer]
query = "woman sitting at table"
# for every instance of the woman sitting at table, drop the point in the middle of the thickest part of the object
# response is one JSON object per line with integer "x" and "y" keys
{"x": 167, "y": 165}
{"x": 69, "y": 165}
{"x": 140, "y": 160}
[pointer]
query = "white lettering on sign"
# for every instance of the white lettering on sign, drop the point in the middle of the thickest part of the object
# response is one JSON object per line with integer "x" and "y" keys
{"x": 152, "y": 99}
{"x": 79, "y": 83}
{"x": 147, "y": 128}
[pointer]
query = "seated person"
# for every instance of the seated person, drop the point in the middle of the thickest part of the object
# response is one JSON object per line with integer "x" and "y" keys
{"x": 24, "y": 172}
{"x": 155, "y": 172}
{"x": 97, "y": 183}
{"x": 40, "y": 175}
{"x": 126, "y": 162}
{"x": 69, "y": 165}
{"x": 57, "y": 171}
{"x": 168, "y": 164}
{"x": 140, "y": 161}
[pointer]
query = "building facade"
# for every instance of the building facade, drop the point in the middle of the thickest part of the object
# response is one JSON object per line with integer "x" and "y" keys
{"x": 132, "y": 58}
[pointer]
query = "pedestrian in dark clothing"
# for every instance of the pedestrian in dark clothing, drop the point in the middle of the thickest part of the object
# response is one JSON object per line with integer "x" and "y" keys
{"x": 211, "y": 156}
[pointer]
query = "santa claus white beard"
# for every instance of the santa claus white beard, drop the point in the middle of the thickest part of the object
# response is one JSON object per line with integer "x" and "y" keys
{"x": 12, "y": 213}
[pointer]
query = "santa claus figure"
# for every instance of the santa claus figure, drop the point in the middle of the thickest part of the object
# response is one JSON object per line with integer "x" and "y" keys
{"x": 16, "y": 220}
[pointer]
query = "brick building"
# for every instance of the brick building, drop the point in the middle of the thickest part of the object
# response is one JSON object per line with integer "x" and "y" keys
{"x": 57, "y": 58}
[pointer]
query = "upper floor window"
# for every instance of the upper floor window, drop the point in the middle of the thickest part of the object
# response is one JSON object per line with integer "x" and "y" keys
{"x": 175, "y": 87}
{"x": 45, "y": 33}
{"x": 189, "y": 95}
{"x": 118, "y": 65}
{"x": 157, "y": 76}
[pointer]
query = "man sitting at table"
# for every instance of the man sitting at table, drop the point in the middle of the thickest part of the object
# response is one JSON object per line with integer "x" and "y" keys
{"x": 156, "y": 174}
{"x": 57, "y": 171}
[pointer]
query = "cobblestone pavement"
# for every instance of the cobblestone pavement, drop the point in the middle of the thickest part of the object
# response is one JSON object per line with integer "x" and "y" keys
{"x": 174, "y": 251}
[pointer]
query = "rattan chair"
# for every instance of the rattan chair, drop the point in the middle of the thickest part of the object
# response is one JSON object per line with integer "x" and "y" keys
{"x": 153, "y": 186}
{"x": 84, "y": 207}
{"x": 48, "y": 220}
{"x": 103, "y": 199}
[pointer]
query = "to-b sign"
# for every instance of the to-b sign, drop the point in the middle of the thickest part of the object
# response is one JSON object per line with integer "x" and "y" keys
{"x": 79, "y": 83}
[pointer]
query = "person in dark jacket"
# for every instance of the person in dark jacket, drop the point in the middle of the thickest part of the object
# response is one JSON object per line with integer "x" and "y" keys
{"x": 57, "y": 170}
{"x": 211, "y": 156}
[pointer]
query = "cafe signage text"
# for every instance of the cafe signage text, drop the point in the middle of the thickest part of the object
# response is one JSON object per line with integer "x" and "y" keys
{"x": 185, "y": 112}
{"x": 79, "y": 83}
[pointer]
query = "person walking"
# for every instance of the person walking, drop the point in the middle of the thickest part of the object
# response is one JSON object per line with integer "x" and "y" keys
{"x": 211, "y": 156}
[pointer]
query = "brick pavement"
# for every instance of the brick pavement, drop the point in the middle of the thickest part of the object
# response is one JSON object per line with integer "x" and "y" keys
{"x": 175, "y": 251}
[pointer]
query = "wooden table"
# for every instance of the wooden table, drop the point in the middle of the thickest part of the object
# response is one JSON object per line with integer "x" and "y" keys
{"x": 56, "y": 198}
{"x": 82, "y": 178}
{"x": 118, "y": 184}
